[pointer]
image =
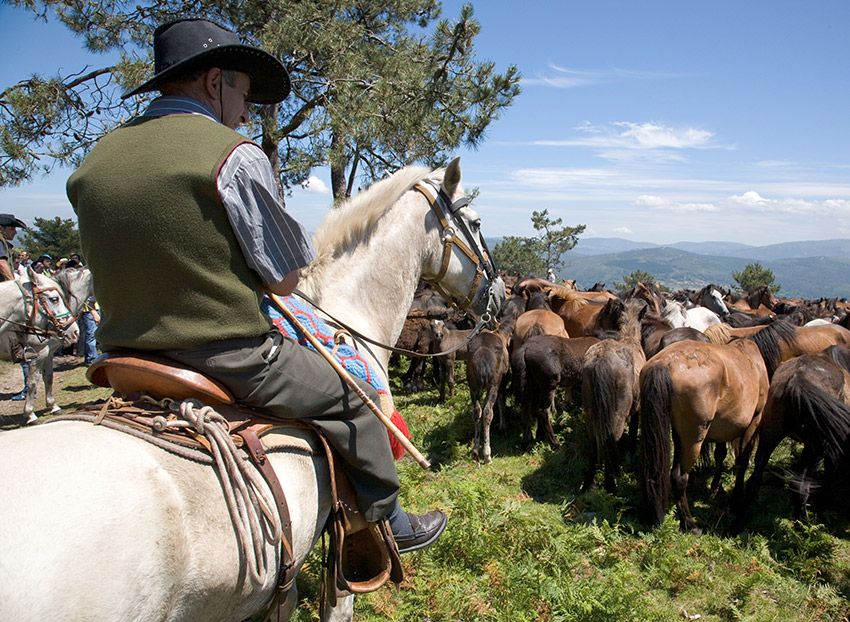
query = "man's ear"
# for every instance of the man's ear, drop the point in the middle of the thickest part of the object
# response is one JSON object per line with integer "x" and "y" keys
{"x": 212, "y": 83}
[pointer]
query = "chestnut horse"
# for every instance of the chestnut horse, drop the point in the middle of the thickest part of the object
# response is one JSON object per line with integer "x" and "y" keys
{"x": 704, "y": 392}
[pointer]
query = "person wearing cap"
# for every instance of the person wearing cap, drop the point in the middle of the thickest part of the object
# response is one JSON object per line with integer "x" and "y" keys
{"x": 197, "y": 232}
{"x": 9, "y": 226}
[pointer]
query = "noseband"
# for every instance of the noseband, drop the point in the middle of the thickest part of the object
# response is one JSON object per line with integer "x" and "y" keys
{"x": 476, "y": 250}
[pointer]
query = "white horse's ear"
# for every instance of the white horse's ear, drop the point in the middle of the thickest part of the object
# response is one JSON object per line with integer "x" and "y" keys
{"x": 451, "y": 179}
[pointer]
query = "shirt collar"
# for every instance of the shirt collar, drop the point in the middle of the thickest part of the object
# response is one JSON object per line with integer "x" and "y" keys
{"x": 177, "y": 104}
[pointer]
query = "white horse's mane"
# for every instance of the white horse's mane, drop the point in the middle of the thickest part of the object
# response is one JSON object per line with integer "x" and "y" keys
{"x": 351, "y": 223}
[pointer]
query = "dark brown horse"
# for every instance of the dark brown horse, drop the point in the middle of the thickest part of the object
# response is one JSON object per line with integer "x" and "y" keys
{"x": 809, "y": 401}
{"x": 487, "y": 365}
{"x": 610, "y": 393}
{"x": 703, "y": 392}
{"x": 539, "y": 367}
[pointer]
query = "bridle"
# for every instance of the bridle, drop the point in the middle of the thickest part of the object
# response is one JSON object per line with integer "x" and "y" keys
{"x": 475, "y": 249}
{"x": 482, "y": 292}
{"x": 58, "y": 323}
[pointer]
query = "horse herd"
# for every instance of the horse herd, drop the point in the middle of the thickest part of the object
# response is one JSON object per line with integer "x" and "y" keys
{"x": 675, "y": 370}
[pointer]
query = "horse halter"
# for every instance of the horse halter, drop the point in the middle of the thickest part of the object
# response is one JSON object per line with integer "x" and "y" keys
{"x": 59, "y": 321}
{"x": 484, "y": 294}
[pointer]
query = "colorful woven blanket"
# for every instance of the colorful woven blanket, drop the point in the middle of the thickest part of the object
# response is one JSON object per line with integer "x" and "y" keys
{"x": 347, "y": 356}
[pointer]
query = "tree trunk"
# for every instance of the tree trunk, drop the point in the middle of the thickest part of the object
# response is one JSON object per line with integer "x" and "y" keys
{"x": 338, "y": 166}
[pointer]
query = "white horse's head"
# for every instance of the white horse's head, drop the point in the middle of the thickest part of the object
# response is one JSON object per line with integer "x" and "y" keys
{"x": 462, "y": 268}
{"x": 51, "y": 310}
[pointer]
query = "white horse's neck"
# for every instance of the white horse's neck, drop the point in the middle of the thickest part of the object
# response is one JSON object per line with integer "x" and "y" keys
{"x": 370, "y": 285}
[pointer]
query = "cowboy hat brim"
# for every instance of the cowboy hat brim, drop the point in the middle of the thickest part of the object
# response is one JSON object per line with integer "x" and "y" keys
{"x": 269, "y": 79}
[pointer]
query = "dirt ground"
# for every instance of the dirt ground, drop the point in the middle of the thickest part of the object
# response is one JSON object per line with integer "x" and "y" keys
{"x": 70, "y": 389}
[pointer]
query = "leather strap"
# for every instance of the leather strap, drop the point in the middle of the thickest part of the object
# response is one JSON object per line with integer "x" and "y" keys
{"x": 257, "y": 453}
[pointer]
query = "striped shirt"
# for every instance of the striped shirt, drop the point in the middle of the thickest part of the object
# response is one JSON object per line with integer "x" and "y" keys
{"x": 274, "y": 243}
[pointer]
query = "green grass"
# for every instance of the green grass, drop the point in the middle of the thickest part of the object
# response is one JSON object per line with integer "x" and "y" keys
{"x": 524, "y": 544}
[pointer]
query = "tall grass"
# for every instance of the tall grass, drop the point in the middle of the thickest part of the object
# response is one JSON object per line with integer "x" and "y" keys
{"x": 524, "y": 544}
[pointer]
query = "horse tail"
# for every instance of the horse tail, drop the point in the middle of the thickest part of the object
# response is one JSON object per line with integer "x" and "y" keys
{"x": 534, "y": 331}
{"x": 655, "y": 404}
{"x": 519, "y": 378}
{"x": 824, "y": 420}
{"x": 599, "y": 390}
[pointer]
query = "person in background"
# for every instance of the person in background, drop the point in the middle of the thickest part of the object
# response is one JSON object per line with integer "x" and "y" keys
{"x": 89, "y": 319}
{"x": 9, "y": 226}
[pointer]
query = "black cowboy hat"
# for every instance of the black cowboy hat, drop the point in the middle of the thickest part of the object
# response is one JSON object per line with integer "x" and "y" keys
{"x": 195, "y": 43}
{"x": 7, "y": 220}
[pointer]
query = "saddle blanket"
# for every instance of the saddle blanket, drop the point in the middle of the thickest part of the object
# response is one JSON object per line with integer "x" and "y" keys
{"x": 347, "y": 356}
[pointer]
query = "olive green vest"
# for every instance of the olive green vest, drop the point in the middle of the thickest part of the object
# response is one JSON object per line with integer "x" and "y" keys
{"x": 168, "y": 270}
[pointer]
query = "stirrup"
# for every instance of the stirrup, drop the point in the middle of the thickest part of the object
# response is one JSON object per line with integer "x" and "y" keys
{"x": 158, "y": 377}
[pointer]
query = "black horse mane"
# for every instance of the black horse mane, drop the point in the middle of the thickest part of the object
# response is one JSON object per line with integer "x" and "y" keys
{"x": 769, "y": 341}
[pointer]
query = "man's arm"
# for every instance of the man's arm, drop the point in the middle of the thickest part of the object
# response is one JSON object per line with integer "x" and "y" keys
{"x": 5, "y": 270}
{"x": 286, "y": 286}
{"x": 273, "y": 243}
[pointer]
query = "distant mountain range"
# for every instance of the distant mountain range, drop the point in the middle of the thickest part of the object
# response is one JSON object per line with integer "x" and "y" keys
{"x": 809, "y": 269}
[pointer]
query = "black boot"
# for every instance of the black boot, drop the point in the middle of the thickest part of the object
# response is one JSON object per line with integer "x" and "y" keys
{"x": 413, "y": 532}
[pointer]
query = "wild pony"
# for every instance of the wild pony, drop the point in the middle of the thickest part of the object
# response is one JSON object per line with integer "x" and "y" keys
{"x": 539, "y": 367}
{"x": 696, "y": 317}
{"x": 610, "y": 392}
{"x": 781, "y": 340}
{"x": 809, "y": 401}
{"x": 34, "y": 323}
{"x": 163, "y": 546}
{"x": 711, "y": 298}
{"x": 487, "y": 366}
{"x": 703, "y": 392}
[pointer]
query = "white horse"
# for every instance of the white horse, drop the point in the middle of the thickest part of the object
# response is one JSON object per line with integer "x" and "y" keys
{"x": 103, "y": 526}
{"x": 695, "y": 317}
{"x": 34, "y": 322}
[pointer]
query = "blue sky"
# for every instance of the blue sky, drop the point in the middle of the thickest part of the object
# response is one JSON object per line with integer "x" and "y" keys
{"x": 652, "y": 121}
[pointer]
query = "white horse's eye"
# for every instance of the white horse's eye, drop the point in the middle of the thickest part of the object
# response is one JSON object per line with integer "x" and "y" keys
{"x": 475, "y": 225}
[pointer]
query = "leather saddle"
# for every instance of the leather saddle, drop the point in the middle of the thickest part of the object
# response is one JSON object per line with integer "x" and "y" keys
{"x": 156, "y": 376}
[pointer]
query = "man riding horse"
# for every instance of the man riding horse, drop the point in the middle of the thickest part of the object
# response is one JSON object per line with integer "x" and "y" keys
{"x": 183, "y": 228}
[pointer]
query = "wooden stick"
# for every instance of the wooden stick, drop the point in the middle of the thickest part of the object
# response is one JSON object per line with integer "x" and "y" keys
{"x": 405, "y": 442}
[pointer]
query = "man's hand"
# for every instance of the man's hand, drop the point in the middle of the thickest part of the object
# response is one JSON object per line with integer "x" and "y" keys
{"x": 284, "y": 287}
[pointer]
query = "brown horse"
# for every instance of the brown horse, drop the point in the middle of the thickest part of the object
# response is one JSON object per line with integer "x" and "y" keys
{"x": 583, "y": 318}
{"x": 539, "y": 367}
{"x": 705, "y": 392}
{"x": 658, "y": 333}
{"x": 782, "y": 340}
{"x": 537, "y": 322}
{"x": 808, "y": 400}
{"x": 610, "y": 392}
{"x": 487, "y": 364}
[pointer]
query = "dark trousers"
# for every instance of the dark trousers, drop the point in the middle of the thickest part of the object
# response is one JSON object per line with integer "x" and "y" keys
{"x": 290, "y": 381}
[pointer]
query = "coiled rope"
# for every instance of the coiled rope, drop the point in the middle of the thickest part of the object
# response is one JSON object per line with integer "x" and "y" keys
{"x": 251, "y": 507}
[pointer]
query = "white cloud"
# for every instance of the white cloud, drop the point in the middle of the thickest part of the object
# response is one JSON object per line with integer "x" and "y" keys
{"x": 622, "y": 230}
{"x": 316, "y": 185}
{"x": 662, "y": 203}
{"x": 628, "y": 140}
{"x": 560, "y": 77}
{"x": 543, "y": 178}
{"x": 791, "y": 205}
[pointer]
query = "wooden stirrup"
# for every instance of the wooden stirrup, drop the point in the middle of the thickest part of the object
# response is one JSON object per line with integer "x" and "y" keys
{"x": 155, "y": 376}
